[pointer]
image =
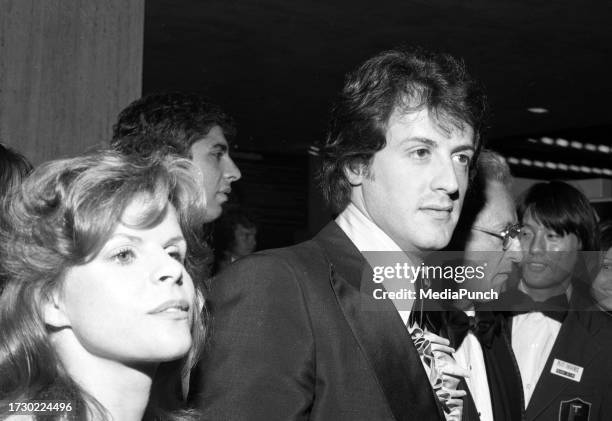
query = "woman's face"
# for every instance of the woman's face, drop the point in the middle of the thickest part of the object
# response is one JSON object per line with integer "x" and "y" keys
{"x": 134, "y": 301}
{"x": 602, "y": 285}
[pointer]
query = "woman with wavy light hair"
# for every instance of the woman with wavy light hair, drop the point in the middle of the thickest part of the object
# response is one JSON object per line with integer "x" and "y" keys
{"x": 100, "y": 318}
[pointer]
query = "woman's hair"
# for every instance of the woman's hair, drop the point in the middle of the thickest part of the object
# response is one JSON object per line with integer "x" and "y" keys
{"x": 61, "y": 216}
{"x": 14, "y": 167}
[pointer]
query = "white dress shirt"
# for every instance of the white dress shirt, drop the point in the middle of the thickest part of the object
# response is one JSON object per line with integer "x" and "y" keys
{"x": 533, "y": 337}
{"x": 469, "y": 355}
{"x": 367, "y": 236}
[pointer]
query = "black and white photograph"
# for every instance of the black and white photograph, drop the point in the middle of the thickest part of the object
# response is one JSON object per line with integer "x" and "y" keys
{"x": 302, "y": 210}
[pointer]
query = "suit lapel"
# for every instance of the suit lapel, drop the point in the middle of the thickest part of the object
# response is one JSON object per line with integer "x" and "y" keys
{"x": 378, "y": 329}
{"x": 576, "y": 345}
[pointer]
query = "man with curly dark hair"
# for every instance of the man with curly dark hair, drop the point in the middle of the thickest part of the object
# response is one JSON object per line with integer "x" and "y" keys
{"x": 188, "y": 125}
{"x": 297, "y": 333}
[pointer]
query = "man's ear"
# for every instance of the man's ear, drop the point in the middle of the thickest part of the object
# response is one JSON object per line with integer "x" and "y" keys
{"x": 53, "y": 311}
{"x": 355, "y": 172}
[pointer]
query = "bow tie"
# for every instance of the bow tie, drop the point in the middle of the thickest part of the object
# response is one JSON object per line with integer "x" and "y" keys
{"x": 520, "y": 303}
{"x": 457, "y": 325}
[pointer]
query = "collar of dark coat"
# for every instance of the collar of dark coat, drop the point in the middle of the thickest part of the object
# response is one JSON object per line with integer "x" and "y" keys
{"x": 378, "y": 330}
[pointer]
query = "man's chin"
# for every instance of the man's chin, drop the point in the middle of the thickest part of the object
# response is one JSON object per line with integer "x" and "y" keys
{"x": 437, "y": 241}
{"x": 213, "y": 211}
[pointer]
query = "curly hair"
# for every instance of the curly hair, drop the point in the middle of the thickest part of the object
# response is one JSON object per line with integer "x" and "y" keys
{"x": 168, "y": 122}
{"x": 408, "y": 80}
{"x": 62, "y": 216}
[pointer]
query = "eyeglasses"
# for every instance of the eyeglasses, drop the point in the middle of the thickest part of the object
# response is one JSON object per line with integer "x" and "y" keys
{"x": 507, "y": 235}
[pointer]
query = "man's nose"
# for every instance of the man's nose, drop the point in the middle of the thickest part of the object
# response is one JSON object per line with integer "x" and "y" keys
{"x": 514, "y": 252}
{"x": 231, "y": 171}
{"x": 445, "y": 178}
{"x": 537, "y": 244}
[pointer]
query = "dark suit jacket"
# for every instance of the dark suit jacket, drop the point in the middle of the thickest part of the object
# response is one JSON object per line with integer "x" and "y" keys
{"x": 585, "y": 340}
{"x": 290, "y": 341}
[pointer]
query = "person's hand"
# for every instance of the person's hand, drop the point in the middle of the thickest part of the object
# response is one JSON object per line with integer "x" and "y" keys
{"x": 445, "y": 376}
{"x": 453, "y": 399}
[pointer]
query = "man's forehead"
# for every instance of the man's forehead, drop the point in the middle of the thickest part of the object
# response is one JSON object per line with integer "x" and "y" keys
{"x": 441, "y": 121}
{"x": 214, "y": 137}
{"x": 499, "y": 209}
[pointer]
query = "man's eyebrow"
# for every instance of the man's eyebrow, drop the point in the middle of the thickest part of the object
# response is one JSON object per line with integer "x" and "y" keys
{"x": 422, "y": 140}
{"x": 434, "y": 144}
{"x": 464, "y": 147}
{"x": 220, "y": 146}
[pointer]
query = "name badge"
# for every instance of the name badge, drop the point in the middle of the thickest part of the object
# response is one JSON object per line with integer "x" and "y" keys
{"x": 567, "y": 370}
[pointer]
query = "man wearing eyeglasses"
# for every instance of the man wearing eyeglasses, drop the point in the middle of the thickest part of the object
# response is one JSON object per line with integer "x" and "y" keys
{"x": 486, "y": 237}
{"x": 488, "y": 229}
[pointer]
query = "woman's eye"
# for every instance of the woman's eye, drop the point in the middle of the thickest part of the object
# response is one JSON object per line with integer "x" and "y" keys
{"x": 124, "y": 256}
{"x": 177, "y": 256}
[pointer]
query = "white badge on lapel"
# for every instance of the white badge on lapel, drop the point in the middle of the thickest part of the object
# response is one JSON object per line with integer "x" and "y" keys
{"x": 567, "y": 370}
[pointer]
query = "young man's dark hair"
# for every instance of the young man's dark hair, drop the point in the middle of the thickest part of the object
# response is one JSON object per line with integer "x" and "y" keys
{"x": 188, "y": 125}
{"x": 562, "y": 208}
{"x": 169, "y": 122}
{"x": 409, "y": 80}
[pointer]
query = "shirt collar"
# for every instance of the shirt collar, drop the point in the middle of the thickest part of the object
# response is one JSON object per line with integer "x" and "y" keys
{"x": 363, "y": 232}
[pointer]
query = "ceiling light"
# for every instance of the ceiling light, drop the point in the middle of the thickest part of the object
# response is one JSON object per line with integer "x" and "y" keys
{"x": 574, "y": 168}
{"x": 512, "y": 160}
{"x": 537, "y": 110}
{"x": 551, "y": 165}
{"x": 538, "y": 164}
{"x": 576, "y": 145}
{"x": 563, "y": 167}
{"x": 590, "y": 147}
{"x": 562, "y": 142}
{"x": 547, "y": 140}
{"x": 526, "y": 162}
{"x": 604, "y": 148}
